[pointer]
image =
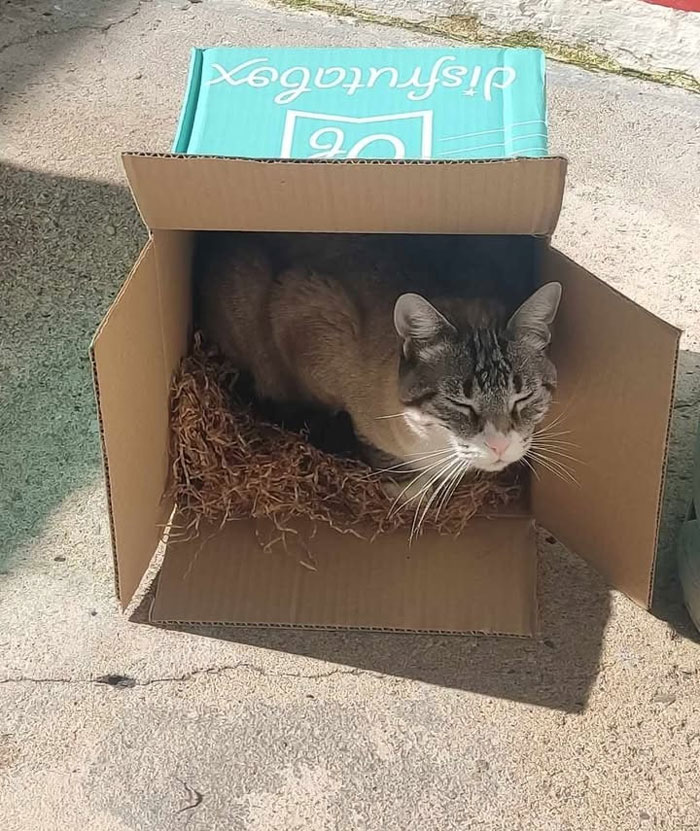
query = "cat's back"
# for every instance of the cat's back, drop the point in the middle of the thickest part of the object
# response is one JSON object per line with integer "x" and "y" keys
{"x": 233, "y": 278}
{"x": 282, "y": 315}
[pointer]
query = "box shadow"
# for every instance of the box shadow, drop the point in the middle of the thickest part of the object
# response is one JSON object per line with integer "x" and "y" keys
{"x": 66, "y": 245}
{"x": 668, "y": 594}
{"x": 69, "y": 244}
{"x": 42, "y": 33}
{"x": 555, "y": 670}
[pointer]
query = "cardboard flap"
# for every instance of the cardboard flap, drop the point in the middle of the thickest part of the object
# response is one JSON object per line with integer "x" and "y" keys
{"x": 510, "y": 196}
{"x": 482, "y": 581}
{"x": 134, "y": 352}
{"x": 616, "y": 365}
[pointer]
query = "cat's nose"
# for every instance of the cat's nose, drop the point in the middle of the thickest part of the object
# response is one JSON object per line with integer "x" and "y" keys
{"x": 498, "y": 443}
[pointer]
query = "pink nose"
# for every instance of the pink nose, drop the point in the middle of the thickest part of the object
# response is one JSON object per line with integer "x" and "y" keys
{"x": 499, "y": 444}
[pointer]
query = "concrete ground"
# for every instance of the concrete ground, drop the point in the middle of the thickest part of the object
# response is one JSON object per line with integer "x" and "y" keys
{"x": 632, "y": 34}
{"x": 111, "y": 725}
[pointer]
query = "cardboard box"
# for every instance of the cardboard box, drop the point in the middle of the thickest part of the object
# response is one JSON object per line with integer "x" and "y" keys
{"x": 616, "y": 365}
{"x": 450, "y": 103}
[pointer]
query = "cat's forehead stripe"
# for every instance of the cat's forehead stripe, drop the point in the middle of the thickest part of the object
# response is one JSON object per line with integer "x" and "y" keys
{"x": 491, "y": 367}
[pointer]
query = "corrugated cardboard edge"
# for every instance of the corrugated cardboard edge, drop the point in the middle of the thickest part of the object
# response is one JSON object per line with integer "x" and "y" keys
{"x": 231, "y": 187}
{"x": 664, "y": 472}
{"x": 105, "y": 465}
{"x": 190, "y": 100}
{"x": 317, "y": 628}
{"x": 100, "y": 420}
{"x": 145, "y": 154}
{"x": 536, "y": 582}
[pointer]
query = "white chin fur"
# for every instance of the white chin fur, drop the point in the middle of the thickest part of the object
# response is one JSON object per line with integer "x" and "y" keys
{"x": 492, "y": 467}
{"x": 483, "y": 458}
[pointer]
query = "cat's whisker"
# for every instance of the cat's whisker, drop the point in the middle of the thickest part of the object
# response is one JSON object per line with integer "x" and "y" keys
{"x": 557, "y": 468}
{"x": 426, "y": 487}
{"x": 407, "y": 466}
{"x": 549, "y": 433}
{"x": 526, "y": 461}
{"x": 415, "y": 516}
{"x": 553, "y": 434}
{"x": 393, "y": 415}
{"x": 422, "y": 494}
{"x": 456, "y": 480}
{"x": 554, "y": 437}
{"x": 441, "y": 489}
{"x": 556, "y": 421}
{"x": 563, "y": 448}
{"x": 549, "y": 429}
{"x": 553, "y": 471}
{"x": 446, "y": 481}
{"x": 556, "y": 452}
{"x": 555, "y": 448}
{"x": 556, "y": 443}
{"x": 431, "y": 498}
{"x": 413, "y": 526}
{"x": 397, "y": 503}
{"x": 472, "y": 471}
{"x": 434, "y": 452}
{"x": 455, "y": 487}
{"x": 541, "y": 455}
{"x": 452, "y": 483}
{"x": 559, "y": 419}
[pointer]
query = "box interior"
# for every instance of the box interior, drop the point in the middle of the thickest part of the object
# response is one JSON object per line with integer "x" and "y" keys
{"x": 616, "y": 366}
{"x": 484, "y": 581}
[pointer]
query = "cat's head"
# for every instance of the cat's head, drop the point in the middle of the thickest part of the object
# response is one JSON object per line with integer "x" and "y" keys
{"x": 480, "y": 391}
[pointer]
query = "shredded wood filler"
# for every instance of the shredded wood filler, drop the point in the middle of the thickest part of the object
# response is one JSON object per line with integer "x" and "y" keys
{"x": 228, "y": 464}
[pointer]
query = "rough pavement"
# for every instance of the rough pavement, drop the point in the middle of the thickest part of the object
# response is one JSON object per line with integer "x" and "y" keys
{"x": 636, "y": 35}
{"x": 114, "y": 725}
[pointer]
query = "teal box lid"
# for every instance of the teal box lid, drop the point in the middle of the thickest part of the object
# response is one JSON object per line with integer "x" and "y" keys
{"x": 364, "y": 103}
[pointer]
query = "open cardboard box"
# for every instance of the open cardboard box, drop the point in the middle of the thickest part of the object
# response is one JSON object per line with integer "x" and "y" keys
{"x": 616, "y": 364}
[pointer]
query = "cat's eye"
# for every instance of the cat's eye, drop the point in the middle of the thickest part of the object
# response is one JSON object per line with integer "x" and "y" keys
{"x": 520, "y": 401}
{"x": 465, "y": 406}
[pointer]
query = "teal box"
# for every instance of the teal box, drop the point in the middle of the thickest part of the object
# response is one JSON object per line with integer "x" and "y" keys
{"x": 364, "y": 103}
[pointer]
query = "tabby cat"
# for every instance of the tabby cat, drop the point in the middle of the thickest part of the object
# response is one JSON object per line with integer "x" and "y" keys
{"x": 432, "y": 382}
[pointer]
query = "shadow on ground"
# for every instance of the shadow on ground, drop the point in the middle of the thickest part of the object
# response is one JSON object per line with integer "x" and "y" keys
{"x": 556, "y": 670}
{"x": 68, "y": 244}
{"x": 65, "y": 246}
{"x": 668, "y": 596}
{"x": 54, "y": 26}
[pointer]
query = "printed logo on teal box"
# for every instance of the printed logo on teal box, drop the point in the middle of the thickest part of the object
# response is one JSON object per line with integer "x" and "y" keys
{"x": 365, "y": 103}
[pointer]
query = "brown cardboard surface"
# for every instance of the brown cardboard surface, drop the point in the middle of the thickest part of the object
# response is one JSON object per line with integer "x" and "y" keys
{"x": 134, "y": 353}
{"x": 511, "y": 196}
{"x": 484, "y": 581}
{"x": 616, "y": 365}
{"x": 174, "y": 257}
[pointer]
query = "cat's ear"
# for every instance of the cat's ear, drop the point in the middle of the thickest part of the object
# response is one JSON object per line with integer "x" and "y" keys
{"x": 416, "y": 319}
{"x": 533, "y": 319}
